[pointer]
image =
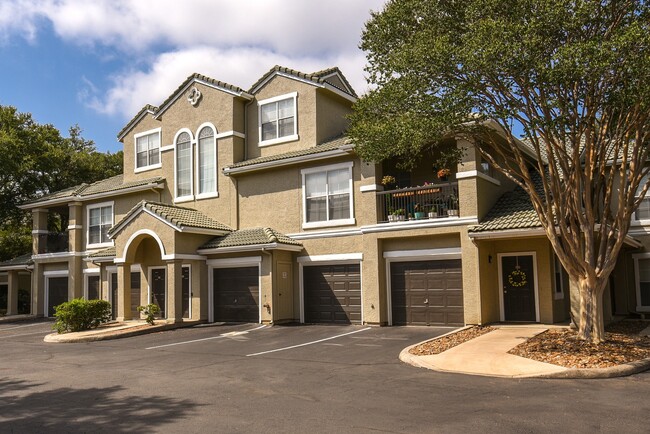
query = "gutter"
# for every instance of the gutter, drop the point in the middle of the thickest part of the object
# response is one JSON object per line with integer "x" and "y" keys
{"x": 249, "y": 248}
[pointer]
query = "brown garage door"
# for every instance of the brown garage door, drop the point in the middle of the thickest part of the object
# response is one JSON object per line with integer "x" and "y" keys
{"x": 236, "y": 294}
{"x": 57, "y": 293}
{"x": 332, "y": 294}
{"x": 427, "y": 293}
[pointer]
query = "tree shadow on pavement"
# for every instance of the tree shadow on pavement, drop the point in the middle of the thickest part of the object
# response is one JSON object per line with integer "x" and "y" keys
{"x": 85, "y": 410}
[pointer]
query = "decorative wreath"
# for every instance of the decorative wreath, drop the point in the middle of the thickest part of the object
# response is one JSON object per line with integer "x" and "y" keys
{"x": 517, "y": 278}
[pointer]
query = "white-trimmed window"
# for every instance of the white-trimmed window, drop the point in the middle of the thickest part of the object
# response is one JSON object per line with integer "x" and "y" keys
{"x": 183, "y": 165}
{"x": 643, "y": 211}
{"x": 327, "y": 196}
{"x": 277, "y": 119}
{"x": 100, "y": 220}
{"x": 147, "y": 150}
{"x": 642, "y": 274}
{"x": 206, "y": 162}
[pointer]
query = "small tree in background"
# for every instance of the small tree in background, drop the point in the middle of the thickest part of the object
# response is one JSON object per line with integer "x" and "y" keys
{"x": 572, "y": 75}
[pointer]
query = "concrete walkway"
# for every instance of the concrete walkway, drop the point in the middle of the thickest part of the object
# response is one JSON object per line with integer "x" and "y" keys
{"x": 488, "y": 355}
{"x": 116, "y": 331}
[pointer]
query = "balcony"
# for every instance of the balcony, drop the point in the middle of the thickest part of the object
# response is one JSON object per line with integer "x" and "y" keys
{"x": 53, "y": 242}
{"x": 431, "y": 201}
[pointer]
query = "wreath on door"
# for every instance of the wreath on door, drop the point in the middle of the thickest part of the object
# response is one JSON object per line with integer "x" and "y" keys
{"x": 517, "y": 278}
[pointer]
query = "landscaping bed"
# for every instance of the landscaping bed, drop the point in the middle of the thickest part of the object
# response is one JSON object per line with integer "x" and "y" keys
{"x": 562, "y": 347}
{"x": 444, "y": 343}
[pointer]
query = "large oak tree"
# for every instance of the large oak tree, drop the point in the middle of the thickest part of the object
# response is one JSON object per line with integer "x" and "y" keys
{"x": 35, "y": 159}
{"x": 571, "y": 76}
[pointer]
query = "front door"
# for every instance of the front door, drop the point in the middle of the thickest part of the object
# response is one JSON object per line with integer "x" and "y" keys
{"x": 158, "y": 289}
{"x": 185, "y": 291}
{"x": 518, "y": 279}
{"x": 114, "y": 295}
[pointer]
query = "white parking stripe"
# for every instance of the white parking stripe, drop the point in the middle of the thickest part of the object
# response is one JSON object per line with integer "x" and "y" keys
{"x": 26, "y": 334}
{"x": 22, "y": 326}
{"x": 308, "y": 343}
{"x": 221, "y": 336}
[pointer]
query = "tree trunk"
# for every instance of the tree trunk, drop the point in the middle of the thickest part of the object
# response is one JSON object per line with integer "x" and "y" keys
{"x": 591, "y": 327}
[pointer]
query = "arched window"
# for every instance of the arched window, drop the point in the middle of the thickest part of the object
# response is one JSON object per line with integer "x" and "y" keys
{"x": 183, "y": 165}
{"x": 207, "y": 162}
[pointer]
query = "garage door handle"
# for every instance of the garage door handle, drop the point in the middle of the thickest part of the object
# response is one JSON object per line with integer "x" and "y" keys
{"x": 426, "y": 301}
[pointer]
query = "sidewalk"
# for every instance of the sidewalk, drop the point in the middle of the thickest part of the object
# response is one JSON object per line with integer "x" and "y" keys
{"x": 487, "y": 355}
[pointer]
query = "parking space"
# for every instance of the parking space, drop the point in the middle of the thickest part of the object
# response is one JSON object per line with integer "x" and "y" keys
{"x": 252, "y": 378}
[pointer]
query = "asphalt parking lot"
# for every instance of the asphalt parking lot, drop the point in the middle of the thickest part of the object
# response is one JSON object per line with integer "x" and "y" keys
{"x": 249, "y": 378}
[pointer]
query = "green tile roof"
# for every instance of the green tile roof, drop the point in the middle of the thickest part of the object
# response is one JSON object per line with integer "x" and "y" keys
{"x": 25, "y": 259}
{"x": 248, "y": 237}
{"x": 105, "y": 253}
{"x": 330, "y": 145}
{"x": 175, "y": 215}
{"x": 513, "y": 210}
{"x": 115, "y": 183}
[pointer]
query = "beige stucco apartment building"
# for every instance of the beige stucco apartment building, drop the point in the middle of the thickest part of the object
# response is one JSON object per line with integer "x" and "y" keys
{"x": 251, "y": 205}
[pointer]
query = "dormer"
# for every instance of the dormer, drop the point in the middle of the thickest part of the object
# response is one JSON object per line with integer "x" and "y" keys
{"x": 294, "y": 111}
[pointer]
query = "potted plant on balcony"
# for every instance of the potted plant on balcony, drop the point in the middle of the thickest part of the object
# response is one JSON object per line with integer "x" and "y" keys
{"x": 443, "y": 174}
{"x": 388, "y": 182}
{"x": 396, "y": 215}
{"x": 452, "y": 211}
{"x": 433, "y": 211}
{"x": 418, "y": 212}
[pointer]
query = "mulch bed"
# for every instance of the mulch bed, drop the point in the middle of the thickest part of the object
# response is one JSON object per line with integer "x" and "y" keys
{"x": 437, "y": 346}
{"x": 561, "y": 347}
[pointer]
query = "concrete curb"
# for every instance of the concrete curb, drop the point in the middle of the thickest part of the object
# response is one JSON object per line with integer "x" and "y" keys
{"x": 95, "y": 335}
{"x": 623, "y": 370}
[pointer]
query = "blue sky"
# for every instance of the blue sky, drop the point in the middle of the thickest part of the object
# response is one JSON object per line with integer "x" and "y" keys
{"x": 96, "y": 63}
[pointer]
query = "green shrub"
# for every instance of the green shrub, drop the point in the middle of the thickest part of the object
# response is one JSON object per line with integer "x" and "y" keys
{"x": 80, "y": 314}
{"x": 149, "y": 311}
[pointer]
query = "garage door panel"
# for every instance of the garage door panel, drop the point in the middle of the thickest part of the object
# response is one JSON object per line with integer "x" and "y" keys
{"x": 236, "y": 294}
{"x": 427, "y": 292}
{"x": 332, "y": 293}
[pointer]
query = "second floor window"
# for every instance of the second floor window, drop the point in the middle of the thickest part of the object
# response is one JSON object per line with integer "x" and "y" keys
{"x": 207, "y": 161}
{"x": 100, "y": 220}
{"x": 278, "y": 119}
{"x": 183, "y": 165}
{"x": 328, "y": 195}
{"x": 147, "y": 150}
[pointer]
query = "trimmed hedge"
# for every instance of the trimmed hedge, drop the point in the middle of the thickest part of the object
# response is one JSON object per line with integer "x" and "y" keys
{"x": 80, "y": 314}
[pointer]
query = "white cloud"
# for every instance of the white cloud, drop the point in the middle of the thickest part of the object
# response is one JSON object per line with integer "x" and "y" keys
{"x": 164, "y": 41}
{"x": 242, "y": 67}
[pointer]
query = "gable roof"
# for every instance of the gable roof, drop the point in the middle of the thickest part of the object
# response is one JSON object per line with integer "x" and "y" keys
{"x": 97, "y": 189}
{"x": 318, "y": 78}
{"x": 179, "y": 218}
{"x": 19, "y": 262}
{"x": 256, "y": 238}
{"x": 338, "y": 146}
{"x": 205, "y": 80}
{"x": 135, "y": 119}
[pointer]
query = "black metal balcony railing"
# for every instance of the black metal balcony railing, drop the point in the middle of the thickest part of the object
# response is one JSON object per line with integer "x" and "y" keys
{"x": 417, "y": 203}
{"x": 53, "y": 242}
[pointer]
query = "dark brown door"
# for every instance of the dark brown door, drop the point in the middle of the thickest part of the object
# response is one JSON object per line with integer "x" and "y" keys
{"x": 4, "y": 296}
{"x": 57, "y": 293}
{"x": 185, "y": 291}
{"x": 114, "y": 295}
{"x": 332, "y": 294}
{"x": 135, "y": 294}
{"x": 427, "y": 293}
{"x": 236, "y": 294}
{"x": 93, "y": 287}
{"x": 518, "y": 288}
{"x": 159, "y": 289}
